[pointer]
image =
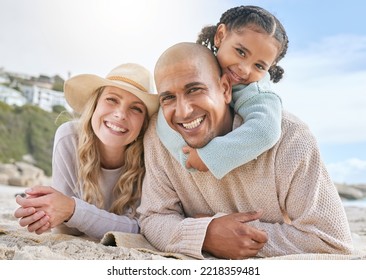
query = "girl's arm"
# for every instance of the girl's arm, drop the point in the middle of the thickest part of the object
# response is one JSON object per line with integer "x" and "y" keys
{"x": 171, "y": 139}
{"x": 261, "y": 110}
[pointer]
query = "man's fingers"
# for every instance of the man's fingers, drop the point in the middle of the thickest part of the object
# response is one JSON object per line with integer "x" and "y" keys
{"x": 249, "y": 216}
{"x": 259, "y": 237}
{"x": 256, "y": 245}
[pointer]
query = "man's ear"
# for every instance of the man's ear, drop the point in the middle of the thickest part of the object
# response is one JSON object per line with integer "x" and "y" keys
{"x": 219, "y": 35}
{"x": 226, "y": 86}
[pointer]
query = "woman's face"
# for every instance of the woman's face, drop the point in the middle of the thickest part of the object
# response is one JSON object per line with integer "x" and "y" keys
{"x": 118, "y": 117}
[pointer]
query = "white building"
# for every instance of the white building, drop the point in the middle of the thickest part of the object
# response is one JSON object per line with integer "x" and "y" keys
{"x": 43, "y": 97}
{"x": 11, "y": 96}
{"x": 35, "y": 91}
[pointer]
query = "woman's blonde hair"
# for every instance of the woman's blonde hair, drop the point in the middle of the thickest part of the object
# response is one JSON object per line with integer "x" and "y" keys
{"x": 127, "y": 191}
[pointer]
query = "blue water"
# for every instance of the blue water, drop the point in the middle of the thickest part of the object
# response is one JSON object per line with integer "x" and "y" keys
{"x": 356, "y": 202}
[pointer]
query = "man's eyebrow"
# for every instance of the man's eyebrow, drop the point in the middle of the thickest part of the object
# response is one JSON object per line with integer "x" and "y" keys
{"x": 187, "y": 86}
{"x": 164, "y": 93}
{"x": 193, "y": 84}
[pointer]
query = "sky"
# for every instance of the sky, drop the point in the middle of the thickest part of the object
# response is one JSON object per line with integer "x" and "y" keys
{"x": 325, "y": 66}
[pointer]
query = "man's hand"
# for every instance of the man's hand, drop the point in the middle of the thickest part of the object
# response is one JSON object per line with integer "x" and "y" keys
{"x": 193, "y": 160}
{"x": 229, "y": 237}
{"x": 43, "y": 208}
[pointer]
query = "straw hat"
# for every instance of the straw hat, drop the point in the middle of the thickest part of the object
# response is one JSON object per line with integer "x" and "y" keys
{"x": 130, "y": 77}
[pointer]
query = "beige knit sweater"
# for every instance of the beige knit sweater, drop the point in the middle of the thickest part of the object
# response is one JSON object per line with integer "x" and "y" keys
{"x": 290, "y": 178}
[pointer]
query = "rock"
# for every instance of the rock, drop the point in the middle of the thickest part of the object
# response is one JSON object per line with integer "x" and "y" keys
{"x": 361, "y": 187}
{"x": 9, "y": 169}
{"x": 349, "y": 192}
{"x": 4, "y": 179}
{"x": 29, "y": 159}
{"x": 20, "y": 181}
{"x": 29, "y": 170}
{"x": 22, "y": 174}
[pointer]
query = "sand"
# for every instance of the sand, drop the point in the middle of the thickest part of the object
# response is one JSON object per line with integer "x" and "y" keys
{"x": 17, "y": 243}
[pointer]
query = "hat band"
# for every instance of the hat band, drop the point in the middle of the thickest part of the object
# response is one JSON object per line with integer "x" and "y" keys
{"x": 127, "y": 80}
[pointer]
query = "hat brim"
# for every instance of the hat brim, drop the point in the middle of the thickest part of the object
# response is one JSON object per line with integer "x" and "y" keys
{"x": 78, "y": 90}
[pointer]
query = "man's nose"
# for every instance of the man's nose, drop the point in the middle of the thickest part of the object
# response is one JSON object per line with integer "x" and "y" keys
{"x": 183, "y": 108}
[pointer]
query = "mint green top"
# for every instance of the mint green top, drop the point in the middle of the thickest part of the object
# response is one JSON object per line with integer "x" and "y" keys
{"x": 261, "y": 111}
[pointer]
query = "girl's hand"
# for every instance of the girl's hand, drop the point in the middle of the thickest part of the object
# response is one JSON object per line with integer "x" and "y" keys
{"x": 194, "y": 161}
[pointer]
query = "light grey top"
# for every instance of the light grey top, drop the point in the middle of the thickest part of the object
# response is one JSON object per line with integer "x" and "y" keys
{"x": 87, "y": 218}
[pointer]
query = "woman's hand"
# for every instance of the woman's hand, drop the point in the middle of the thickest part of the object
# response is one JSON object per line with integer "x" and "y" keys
{"x": 43, "y": 208}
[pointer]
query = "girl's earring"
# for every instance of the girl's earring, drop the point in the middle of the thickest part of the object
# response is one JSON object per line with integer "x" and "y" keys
{"x": 215, "y": 49}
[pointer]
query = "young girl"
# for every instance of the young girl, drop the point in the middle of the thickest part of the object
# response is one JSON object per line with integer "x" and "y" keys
{"x": 248, "y": 42}
{"x": 97, "y": 164}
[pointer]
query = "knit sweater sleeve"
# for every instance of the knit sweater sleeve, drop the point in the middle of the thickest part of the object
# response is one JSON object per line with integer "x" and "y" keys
{"x": 317, "y": 222}
{"x": 87, "y": 218}
{"x": 261, "y": 111}
{"x": 162, "y": 218}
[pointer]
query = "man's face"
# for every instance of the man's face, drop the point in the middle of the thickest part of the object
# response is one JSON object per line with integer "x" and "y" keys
{"x": 194, "y": 101}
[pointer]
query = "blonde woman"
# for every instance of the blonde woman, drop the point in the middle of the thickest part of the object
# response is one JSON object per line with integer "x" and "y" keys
{"x": 98, "y": 163}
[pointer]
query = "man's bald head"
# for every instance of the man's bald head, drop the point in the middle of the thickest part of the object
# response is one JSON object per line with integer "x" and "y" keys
{"x": 187, "y": 51}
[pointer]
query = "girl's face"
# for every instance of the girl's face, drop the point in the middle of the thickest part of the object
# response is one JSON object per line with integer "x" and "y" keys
{"x": 118, "y": 118}
{"x": 245, "y": 55}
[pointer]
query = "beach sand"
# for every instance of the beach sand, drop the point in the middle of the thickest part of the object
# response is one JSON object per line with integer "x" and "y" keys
{"x": 17, "y": 243}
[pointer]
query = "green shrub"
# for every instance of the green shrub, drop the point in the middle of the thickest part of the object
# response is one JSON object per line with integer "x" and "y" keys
{"x": 28, "y": 130}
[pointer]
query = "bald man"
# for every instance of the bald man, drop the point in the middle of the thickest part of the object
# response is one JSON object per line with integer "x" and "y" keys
{"x": 284, "y": 202}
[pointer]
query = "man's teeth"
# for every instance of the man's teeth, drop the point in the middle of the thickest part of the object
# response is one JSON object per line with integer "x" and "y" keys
{"x": 193, "y": 124}
{"x": 115, "y": 128}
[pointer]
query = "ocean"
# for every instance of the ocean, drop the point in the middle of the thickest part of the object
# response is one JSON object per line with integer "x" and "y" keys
{"x": 355, "y": 202}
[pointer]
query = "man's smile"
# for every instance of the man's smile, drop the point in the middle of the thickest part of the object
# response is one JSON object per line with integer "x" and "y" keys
{"x": 193, "y": 124}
